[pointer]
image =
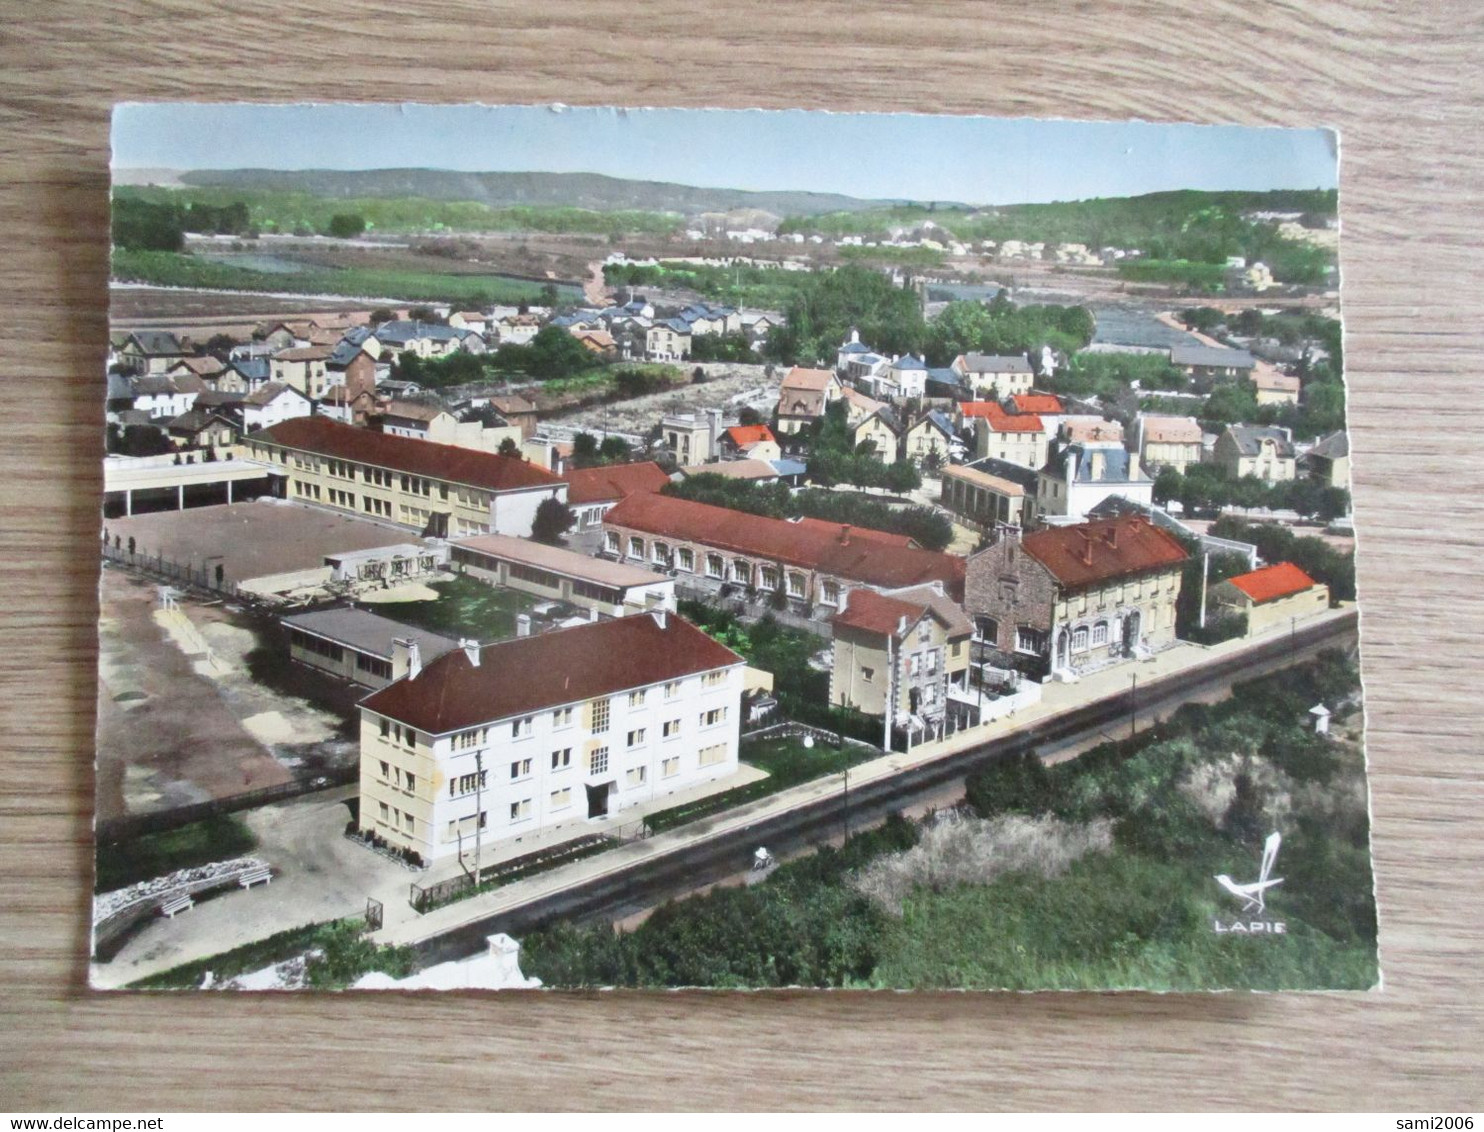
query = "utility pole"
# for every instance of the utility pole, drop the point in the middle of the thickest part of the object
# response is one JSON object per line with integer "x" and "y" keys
{"x": 1205, "y": 572}
{"x": 478, "y": 809}
{"x": 1292, "y": 639}
{"x": 845, "y": 802}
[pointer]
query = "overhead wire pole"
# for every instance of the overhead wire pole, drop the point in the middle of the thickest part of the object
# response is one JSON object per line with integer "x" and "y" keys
{"x": 478, "y": 809}
{"x": 1133, "y": 707}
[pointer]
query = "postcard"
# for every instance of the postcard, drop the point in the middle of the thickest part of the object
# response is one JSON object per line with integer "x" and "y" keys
{"x": 551, "y": 547}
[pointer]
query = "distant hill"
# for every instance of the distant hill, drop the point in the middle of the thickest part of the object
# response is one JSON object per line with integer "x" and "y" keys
{"x": 563, "y": 190}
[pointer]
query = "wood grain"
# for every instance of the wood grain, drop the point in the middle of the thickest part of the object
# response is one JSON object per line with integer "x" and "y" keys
{"x": 1402, "y": 83}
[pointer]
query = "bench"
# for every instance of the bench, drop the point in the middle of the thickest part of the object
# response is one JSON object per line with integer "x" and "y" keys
{"x": 247, "y": 880}
{"x": 178, "y": 904}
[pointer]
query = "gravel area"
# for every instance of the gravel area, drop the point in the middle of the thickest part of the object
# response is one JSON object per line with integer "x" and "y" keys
{"x": 728, "y": 386}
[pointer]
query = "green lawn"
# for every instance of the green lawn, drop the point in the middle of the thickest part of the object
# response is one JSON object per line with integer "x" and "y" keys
{"x": 788, "y": 763}
{"x": 156, "y": 854}
{"x": 465, "y": 607}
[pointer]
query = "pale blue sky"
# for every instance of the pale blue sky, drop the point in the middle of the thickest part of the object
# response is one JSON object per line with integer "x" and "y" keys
{"x": 971, "y": 159}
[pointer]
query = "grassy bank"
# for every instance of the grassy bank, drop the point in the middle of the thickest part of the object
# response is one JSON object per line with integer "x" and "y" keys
{"x": 465, "y": 607}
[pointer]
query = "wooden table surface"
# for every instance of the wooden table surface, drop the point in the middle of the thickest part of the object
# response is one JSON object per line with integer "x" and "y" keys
{"x": 1403, "y": 84}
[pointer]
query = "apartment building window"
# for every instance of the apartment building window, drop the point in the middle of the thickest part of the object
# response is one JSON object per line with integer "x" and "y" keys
{"x": 659, "y": 554}
{"x": 670, "y": 767}
{"x": 610, "y": 542}
{"x": 386, "y": 728}
{"x": 636, "y": 699}
{"x": 386, "y": 771}
{"x": 520, "y": 768}
{"x": 521, "y": 810}
{"x": 713, "y": 566}
{"x": 562, "y": 717}
{"x": 925, "y": 631}
{"x": 670, "y": 729}
{"x": 521, "y": 728}
{"x": 868, "y": 675}
{"x": 710, "y": 756}
{"x": 742, "y": 572}
{"x": 561, "y": 759}
{"x": 1079, "y": 639}
{"x": 636, "y": 547}
{"x": 386, "y": 811}
{"x": 636, "y": 737}
{"x": 409, "y": 780}
{"x": 768, "y": 579}
{"x": 602, "y": 712}
{"x": 1100, "y": 633}
{"x": 597, "y": 762}
{"x": 561, "y": 799}
{"x": 713, "y": 717}
{"x": 637, "y": 776}
{"x": 408, "y": 822}
{"x": 932, "y": 662}
{"x": 467, "y": 783}
{"x": 796, "y": 585}
{"x": 686, "y": 559}
{"x": 464, "y": 740}
{"x": 829, "y": 593}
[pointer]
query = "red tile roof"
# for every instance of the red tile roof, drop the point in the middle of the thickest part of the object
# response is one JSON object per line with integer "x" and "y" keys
{"x": 743, "y": 435}
{"x": 1036, "y": 403}
{"x": 882, "y": 614}
{"x": 529, "y": 674}
{"x": 843, "y": 552}
{"x": 1272, "y": 582}
{"x": 488, "y": 470}
{"x": 1103, "y": 549}
{"x": 613, "y": 481}
{"x": 999, "y": 420}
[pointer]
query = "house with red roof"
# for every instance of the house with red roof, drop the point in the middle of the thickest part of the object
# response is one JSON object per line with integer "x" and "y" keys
{"x": 807, "y": 564}
{"x": 1064, "y": 600}
{"x": 900, "y": 655}
{"x": 572, "y": 730}
{"x": 439, "y": 490}
{"x": 592, "y": 492}
{"x": 750, "y": 442}
{"x": 1018, "y": 438}
{"x": 1273, "y": 597}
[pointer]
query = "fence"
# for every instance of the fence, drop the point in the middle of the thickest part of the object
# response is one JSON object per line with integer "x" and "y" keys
{"x": 426, "y": 897}
{"x": 137, "y": 825}
{"x": 209, "y": 580}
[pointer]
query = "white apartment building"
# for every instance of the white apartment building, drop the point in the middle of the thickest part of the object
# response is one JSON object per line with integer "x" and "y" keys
{"x": 536, "y": 734}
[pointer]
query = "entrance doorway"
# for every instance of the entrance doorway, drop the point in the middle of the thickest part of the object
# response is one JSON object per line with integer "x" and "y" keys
{"x": 1130, "y": 633}
{"x": 597, "y": 800}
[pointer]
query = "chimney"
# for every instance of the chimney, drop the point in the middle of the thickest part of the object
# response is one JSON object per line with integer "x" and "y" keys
{"x": 1086, "y": 547}
{"x": 407, "y": 659}
{"x": 522, "y": 624}
{"x": 592, "y": 614}
{"x": 661, "y": 618}
{"x": 471, "y": 650}
{"x": 855, "y": 335}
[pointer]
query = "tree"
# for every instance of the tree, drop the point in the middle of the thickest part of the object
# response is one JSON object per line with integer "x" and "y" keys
{"x": 550, "y": 296}
{"x": 615, "y": 450}
{"x": 584, "y": 450}
{"x": 749, "y": 416}
{"x": 423, "y": 314}
{"x": 508, "y": 447}
{"x": 553, "y": 519}
{"x": 220, "y": 343}
{"x": 382, "y": 314}
{"x": 346, "y": 225}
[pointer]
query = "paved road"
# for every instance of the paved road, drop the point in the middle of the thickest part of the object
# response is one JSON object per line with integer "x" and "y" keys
{"x": 644, "y": 882}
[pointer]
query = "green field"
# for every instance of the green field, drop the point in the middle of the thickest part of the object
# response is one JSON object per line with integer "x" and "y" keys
{"x": 275, "y": 210}
{"x": 176, "y": 269}
{"x": 465, "y": 607}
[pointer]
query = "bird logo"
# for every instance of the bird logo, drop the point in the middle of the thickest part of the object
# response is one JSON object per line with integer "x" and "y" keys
{"x": 1254, "y": 895}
